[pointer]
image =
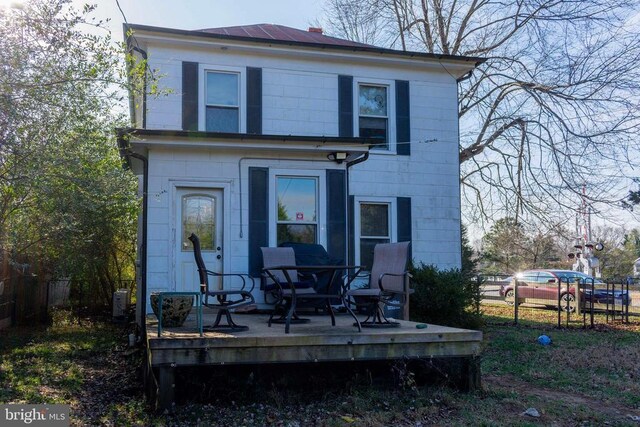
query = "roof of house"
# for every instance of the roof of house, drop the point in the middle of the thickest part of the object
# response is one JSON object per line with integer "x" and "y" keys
{"x": 282, "y": 33}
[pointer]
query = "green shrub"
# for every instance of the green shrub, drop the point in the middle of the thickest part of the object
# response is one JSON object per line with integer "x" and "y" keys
{"x": 445, "y": 297}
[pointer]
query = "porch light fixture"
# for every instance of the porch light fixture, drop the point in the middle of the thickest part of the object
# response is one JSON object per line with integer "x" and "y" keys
{"x": 338, "y": 157}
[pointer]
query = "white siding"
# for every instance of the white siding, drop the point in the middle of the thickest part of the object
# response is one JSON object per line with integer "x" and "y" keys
{"x": 206, "y": 168}
{"x": 300, "y": 97}
{"x": 299, "y": 103}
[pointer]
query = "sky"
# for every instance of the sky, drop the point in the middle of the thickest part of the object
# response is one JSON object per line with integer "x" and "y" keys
{"x": 198, "y": 14}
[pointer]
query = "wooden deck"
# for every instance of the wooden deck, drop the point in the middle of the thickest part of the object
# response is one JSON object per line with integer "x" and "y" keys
{"x": 316, "y": 341}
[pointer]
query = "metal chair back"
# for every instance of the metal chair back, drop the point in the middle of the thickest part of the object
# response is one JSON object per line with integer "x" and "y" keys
{"x": 390, "y": 260}
{"x": 202, "y": 269}
{"x": 274, "y": 257}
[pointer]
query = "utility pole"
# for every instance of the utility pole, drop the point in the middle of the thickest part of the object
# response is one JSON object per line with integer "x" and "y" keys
{"x": 585, "y": 260}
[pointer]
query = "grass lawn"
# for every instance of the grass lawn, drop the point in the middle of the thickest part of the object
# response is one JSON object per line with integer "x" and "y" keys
{"x": 585, "y": 377}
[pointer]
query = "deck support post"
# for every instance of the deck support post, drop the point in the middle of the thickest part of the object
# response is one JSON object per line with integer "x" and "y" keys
{"x": 149, "y": 380}
{"x": 166, "y": 388}
{"x": 470, "y": 377}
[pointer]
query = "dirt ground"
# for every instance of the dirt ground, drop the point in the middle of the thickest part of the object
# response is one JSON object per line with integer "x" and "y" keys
{"x": 88, "y": 365}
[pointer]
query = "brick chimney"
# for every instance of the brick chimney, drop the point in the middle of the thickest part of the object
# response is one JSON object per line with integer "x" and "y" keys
{"x": 315, "y": 30}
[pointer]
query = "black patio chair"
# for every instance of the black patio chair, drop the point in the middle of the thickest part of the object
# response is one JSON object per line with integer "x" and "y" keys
{"x": 314, "y": 254}
{"x": 225, "y": 300}
{"x": 287, "y": 282}
{"x": 388, "y": 284}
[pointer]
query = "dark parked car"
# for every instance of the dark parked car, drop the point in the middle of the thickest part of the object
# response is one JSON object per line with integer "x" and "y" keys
{"x": 541, "y": 287}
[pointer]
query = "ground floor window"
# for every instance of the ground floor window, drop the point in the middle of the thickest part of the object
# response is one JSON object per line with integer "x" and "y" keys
{"x": 375, "y": 225}
{"x": 297, "y": 209}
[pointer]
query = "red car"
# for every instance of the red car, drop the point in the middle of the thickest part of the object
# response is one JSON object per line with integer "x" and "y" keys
{"x": 541, "y": 287}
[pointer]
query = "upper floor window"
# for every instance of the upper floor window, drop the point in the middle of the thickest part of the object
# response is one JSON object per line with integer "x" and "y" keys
{"x": 373, "y": 114}
{"x": 222, "y": 102}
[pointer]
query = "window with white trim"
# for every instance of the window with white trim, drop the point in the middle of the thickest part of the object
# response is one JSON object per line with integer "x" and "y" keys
{"x": 373, "y": 114}
{"x": 296, "y": 209}
{"x": 222, "y": 101}
{"x": 375, "y": 227}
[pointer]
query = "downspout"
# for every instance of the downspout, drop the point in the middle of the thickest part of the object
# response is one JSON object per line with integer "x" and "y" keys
{"x": 125, "y": 152}
{"x": 349, "y": 164}
{"x": 143, "y": 247}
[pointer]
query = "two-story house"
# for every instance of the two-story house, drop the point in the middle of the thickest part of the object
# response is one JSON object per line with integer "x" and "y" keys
{"x": 273, "y": 134}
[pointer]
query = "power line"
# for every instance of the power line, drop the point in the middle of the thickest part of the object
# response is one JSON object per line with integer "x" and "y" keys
{"x": 121, "y": 12}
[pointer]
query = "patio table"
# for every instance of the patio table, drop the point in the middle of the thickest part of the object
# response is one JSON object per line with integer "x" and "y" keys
{"x": 291, "y": 295}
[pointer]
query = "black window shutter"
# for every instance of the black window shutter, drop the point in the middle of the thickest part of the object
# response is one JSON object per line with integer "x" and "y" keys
{"x": 403, "y": 125}
{"x": 351, "y": 230}
{"x": 345, "y": 106}
{"x": 258, "y": 217}
{"x": 336, "y": 214}
{"x": 189, "y": 96}
{"x": 404, "y": 220}
{"x": 254, "y": 100}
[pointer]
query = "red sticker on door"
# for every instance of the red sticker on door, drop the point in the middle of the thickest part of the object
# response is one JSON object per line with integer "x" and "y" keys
{"x": 299, "y": 216}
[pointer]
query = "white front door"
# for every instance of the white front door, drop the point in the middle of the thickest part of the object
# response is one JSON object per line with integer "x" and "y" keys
{"x": 199, "y": 211}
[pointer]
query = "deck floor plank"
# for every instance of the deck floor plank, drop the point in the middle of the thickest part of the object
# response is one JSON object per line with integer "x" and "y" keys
{"x": 316, "y": 341}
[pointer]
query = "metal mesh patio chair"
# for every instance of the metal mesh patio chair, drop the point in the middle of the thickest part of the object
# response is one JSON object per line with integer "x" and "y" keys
{"x": 223, "y": 300}
{"x": 388, "y": 284}
{"x": 278, "y": 283}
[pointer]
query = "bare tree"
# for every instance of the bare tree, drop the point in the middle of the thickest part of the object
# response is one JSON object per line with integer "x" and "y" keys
{"x": 554, "y": 108}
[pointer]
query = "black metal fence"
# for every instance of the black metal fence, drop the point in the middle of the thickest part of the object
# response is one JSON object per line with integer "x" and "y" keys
{"x": 573, "y": 302}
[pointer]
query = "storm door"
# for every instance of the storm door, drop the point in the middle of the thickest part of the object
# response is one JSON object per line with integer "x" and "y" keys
{"x": 199, "y": 211}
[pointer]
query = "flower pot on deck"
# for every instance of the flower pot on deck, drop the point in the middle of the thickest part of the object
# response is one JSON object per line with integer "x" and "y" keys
{"x": 175, "y": 308}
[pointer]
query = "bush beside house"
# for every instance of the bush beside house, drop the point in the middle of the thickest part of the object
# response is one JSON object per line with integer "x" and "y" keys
{"x": 445, "y": 297}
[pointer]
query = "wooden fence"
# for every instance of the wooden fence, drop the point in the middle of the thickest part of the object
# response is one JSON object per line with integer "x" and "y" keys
{"x": 23, "y": 292}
